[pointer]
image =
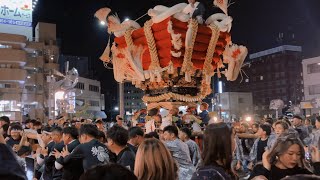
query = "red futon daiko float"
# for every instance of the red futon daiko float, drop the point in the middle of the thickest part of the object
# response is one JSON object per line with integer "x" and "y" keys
{"x": 174, "y": 55}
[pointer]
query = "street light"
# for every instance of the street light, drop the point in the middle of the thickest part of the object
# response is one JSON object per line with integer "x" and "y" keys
{"x": 215, "y": 119}
{"x": 116, "y": 108}
{"x": 103, "y": 23}
{"x": 248, "y": 118}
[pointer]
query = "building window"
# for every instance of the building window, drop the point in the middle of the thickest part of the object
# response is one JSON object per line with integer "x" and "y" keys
{"x": 261, "y": 78}
{"x": 314, "y": 89}
{"x": 94, "y": 103}
{"x": 93, "y": 88}
{"x": 80, "y": 102}
{"x": 313, "y": 68}
{"x": 39, "y": 88}
{"x": 5, "y": 85}
{"x": 2, "y": 46}
{"x": 240, "y": 100}
{"x": 80, "y": 85}
{"x": 30, "y": 88}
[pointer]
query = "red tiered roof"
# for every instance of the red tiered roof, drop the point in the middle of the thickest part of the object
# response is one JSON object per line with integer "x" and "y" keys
{"x": 164, "y": 46}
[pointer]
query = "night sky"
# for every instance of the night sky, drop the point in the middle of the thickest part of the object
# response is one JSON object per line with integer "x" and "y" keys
{"x": 256, "y": 24}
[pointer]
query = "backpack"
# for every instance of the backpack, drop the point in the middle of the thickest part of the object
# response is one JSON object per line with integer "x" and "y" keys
{"x": 210, "y": 173}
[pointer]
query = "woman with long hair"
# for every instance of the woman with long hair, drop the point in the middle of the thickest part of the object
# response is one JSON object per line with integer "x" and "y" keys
{"x": 217, "y": 153}
{"x": 286, "y": 158}
{"x": 154, "y": 162}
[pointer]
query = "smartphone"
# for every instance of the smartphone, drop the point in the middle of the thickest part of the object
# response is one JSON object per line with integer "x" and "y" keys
{"x": 30, "y": 167}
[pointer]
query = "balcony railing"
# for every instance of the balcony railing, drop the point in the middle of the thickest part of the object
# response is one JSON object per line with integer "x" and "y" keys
{"x": 13, "y": 75}
{"x": 13, "y": 56}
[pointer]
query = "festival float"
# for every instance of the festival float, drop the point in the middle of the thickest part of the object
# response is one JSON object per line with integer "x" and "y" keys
{"x": 173, "y": 57}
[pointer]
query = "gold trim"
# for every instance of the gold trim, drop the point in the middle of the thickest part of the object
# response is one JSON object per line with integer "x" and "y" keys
{"x": 207, "y": 66}
{"x": 152, "y": 46}
{"x": 187, "y": 66}
{"x": 173, "y": 96}
{"x": 128, "y": 38}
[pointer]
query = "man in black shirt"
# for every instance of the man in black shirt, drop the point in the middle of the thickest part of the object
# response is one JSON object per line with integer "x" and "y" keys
{"x": 73, "y": 169}
{"x": 90, "y": 151}
{"x": 136, "y": 137}
{"x": 117, "y": 138}
{"x": 46, "y": 143}
{"x": 259, "y": 145}
{"x": 262, "y": 144}
{"x": 50, "y": 172}
{"x": 15, "y": 136}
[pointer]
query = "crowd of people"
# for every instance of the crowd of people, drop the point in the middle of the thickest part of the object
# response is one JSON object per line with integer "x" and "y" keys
{"x": 180, "y": 146}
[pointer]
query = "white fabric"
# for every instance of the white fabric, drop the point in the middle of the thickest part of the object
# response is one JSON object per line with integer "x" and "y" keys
{"x": 134, "y": 122}
{"x": 57, "y": 165}
{"x": 166, "y": 121}
{"x": 196, "y": 127}
{"x": 40, "y": 160}
{"x": 40, "y": 141}
{"x": 189, "y": 9}
{"x": 150, "y": 127}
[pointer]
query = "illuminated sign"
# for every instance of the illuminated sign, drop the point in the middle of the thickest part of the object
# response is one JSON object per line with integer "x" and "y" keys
{"x": 16, "y": 12}
{"x": 16, "y": 17}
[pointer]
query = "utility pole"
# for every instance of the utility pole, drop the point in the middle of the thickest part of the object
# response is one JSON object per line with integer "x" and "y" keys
{"x": 121, "y": 99}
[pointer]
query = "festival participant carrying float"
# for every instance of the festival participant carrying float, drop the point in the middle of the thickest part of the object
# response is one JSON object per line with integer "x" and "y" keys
{"x": 173, "y": 56}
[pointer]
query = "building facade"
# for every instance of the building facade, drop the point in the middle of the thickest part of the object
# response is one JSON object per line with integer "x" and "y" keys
{"x": 89, "y": 100}
{"x": 24, "y": 67}
{"x": 132, "y": 99}
{"x": 27, "y": 70}
{"x": 271, "y": 74}
{"x": 234, "y": 105}
{"x": 311, "y": 79}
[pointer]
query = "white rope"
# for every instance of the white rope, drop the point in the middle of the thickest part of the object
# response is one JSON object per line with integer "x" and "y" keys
{"x": 141, "y": 17}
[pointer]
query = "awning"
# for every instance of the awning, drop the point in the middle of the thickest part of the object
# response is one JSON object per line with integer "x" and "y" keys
{"x": 306, "y": 105}
{"x": 96, "y": 114}
{"x": 100, "y": 114}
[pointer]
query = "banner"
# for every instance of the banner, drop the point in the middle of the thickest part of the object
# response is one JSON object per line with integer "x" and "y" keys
{"x": 16, "y": 17}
